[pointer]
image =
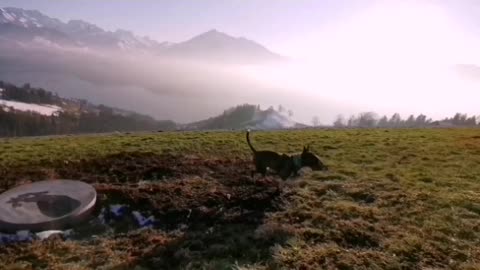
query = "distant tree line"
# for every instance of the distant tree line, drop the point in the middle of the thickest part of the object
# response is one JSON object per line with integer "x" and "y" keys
{"x": 76, "y": 116}
{"x": 28, "y": 95}
{"x": 372, "y": 120}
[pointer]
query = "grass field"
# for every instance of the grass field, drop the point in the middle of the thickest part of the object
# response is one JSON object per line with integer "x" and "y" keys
{"x": 392, "y": 199}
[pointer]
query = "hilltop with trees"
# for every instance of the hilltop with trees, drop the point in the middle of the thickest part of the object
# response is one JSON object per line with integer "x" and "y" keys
{"x": 249, "y": 116}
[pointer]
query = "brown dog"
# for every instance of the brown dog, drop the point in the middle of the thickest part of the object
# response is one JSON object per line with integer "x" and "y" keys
{"x": 284, "y": 165}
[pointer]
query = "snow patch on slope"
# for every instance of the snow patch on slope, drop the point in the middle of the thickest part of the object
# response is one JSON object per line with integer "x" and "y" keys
{"x": 21, "y": 106}
{"x": 8, "y": 16}
{"x": 19, "y": 18}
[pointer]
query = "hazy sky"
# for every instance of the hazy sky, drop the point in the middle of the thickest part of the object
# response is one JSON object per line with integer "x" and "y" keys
{"x": 382, "y": 55}
{"x": 292, "y": 27}
{"x": 282, "y": 25}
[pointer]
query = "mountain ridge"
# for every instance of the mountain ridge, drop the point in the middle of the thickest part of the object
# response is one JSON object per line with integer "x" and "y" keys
{"x": 212, "y": 45}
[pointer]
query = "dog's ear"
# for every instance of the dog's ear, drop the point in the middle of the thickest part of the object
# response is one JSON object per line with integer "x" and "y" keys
{"x": 306, "y": 148}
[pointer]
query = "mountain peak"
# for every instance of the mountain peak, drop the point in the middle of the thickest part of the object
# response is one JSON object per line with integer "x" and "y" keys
{"x": 214, "y": 44}
{"x": 213, "y": 33}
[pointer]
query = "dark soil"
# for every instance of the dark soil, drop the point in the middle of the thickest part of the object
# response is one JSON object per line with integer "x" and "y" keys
{"x": 208, "y": 209}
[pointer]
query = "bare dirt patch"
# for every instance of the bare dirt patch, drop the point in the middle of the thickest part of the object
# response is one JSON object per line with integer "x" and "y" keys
{"x": 207, "y": 210}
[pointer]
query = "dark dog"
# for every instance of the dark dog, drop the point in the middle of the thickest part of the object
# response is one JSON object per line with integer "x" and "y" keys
{"x": 282, "y": 164}
{"x": 309, "y": 159}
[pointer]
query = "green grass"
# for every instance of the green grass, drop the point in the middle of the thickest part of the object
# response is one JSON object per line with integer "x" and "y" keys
{"x": 392, "y": 199}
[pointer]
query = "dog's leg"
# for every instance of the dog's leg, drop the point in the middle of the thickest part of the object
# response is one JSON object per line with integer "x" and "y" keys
{"x": 286, "y": 167}
{"x": 261, "y": 168}
{"x": 253, "y": 176}
{"x": 285, "y": 173}
{"x": 263, "y": 172}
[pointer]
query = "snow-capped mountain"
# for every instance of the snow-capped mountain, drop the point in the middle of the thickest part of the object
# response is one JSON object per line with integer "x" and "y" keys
{"x": 19, "y": 26}
{"x": 25, "y": 18}
{"x": 30, "y": 25}
{"x": 24, "y": 26}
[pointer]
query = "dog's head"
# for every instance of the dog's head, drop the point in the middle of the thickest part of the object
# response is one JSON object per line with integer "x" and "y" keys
{"x": 311, "y": 160}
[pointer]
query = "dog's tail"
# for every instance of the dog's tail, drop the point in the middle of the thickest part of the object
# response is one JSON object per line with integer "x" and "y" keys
{"x": 248, "y": 141}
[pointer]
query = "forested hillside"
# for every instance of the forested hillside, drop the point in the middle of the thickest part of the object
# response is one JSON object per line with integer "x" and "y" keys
{"x": 65, "y": 115}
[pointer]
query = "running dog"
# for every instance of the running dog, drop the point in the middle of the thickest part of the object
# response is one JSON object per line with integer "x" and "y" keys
{"x": 284, "y": 165}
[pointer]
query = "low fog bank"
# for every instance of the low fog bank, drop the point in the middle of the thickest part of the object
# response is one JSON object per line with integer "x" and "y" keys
{"x": 180, "y": 108}
{"x": 187, "y": 91}
{"x": 437, "y": 89}
{"x": 180, "y": 90}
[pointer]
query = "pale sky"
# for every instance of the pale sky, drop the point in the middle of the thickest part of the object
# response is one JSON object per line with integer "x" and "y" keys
{"x": 291, "y": 27}
{"x": 385, "y": 55}
{"x": 282, "y": 25}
